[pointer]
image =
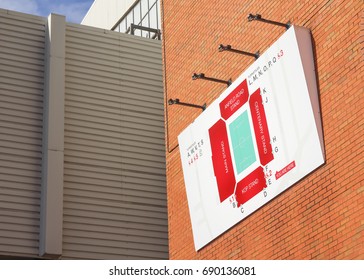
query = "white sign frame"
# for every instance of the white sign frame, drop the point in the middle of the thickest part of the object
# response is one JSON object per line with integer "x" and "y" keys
{"x": 274, "y": 104}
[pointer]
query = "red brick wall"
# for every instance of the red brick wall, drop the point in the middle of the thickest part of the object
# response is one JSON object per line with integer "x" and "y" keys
{"x": 321, "y": 217}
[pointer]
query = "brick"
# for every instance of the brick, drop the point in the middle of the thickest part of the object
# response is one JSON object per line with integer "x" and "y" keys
{"x": 321, "y": 216}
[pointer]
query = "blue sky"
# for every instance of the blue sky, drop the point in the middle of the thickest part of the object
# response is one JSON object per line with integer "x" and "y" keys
{"x": 74, "y": 10}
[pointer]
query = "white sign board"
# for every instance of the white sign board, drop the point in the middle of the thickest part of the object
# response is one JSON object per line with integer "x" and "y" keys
{"x": 262, "y": 135}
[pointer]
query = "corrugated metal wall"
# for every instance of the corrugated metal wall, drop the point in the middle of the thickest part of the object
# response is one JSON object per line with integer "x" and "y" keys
{"x": 114, "y": 162}
{"x": 114, "y": 190}
{"x": 22, "y": 41}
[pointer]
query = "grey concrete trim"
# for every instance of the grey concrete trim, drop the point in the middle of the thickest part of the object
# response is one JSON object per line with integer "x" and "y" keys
{"x": 51, "y": 211}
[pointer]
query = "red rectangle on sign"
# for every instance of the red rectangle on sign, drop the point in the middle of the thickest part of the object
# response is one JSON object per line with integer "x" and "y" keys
{"x": 260, "y": 128}
{"x": 237, "y": 98}
{"x": 285, "y": 170}
{"x": 221, "y": 160}
{"x": 250, "y": 186}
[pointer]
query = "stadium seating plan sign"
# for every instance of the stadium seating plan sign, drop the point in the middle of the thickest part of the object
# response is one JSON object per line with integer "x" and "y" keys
{"x": 261, "y": 136}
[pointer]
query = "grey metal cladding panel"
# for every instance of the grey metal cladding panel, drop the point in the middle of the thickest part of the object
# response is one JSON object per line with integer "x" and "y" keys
{"x": 102, "y": 256}
{"x": 22, "y": 44}
{"x": 125, "y": 241}
{"x": 71, "y": 183}
{"x": 109, "y": 221}
{"x": 110, "y": 92}
{"x": 96, "y": 32}
{"x": 24, "y": 61}
{"x": 142, "y": 165}
{"x": 32, "y": 87}
{"x": 152, "y": 174}
{"x": 104, "y": 43}
{"x": 106, "y": 142}
{"x": 79, "y": 79}
{"x": 132, "y": 147}
{"x": 122, "y": 231}
{"x": 129, "y": 198}
{"x": 123, "y": 119}
{"x": 22, "y": 21}
{"x": 148, "y": 64}
{"x": 85, "y": 134}
{"x": 13, "y": 229}
{"x": 122, "y": 238}
{"x": 124, "y": 122}
{"x": 12, "y": 33}
{"x": 148, "y": 134}
{"x": 22, "y": 38}
{"x": 135, "y": 61}
{"x": 112, "y": 109}
{"x": 113, "y": 98}
{"x": 23, "y": 92}
{"x": 113, "y": 78}
{"x": 135, "y": 142}
{"x": 21, "y": 106}
{"x": 112, "y": 243}
{"x": 27, "y": 156}
{"x": 105, "y": 51}
{"x": 117, "y": 73}
{"x": 12, "y": 64}
{"x": 22, "y": 100}
{"x": 111, "y": 87}
{"x": 126, "y": 192}
{"x": 16, "y": 141}
{"x": 114, "y": 172}
{"x": 85, "y": 251}
{"x": 22, "y": 160}
{"x": 107, "y": 203}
